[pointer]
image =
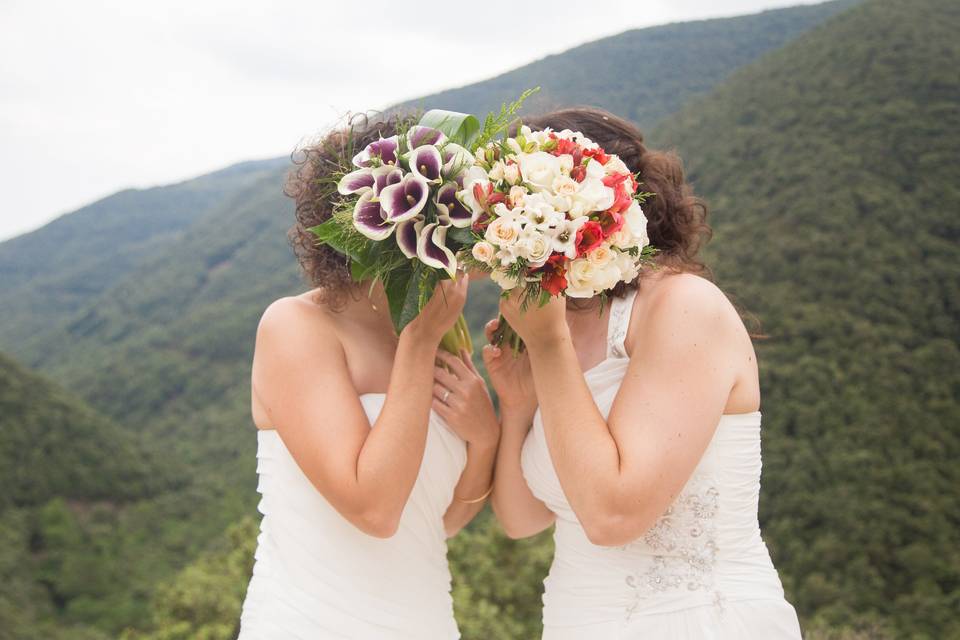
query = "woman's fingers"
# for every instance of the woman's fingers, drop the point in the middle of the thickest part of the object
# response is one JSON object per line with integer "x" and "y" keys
{"x": 445, "y": 378}
{"x": 457, "y": 367}
{"x": 490, "y": 328}
{"x": 465, "y": 356}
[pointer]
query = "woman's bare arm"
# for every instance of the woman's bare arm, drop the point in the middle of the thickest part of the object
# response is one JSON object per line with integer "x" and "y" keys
{"x": 301, "y": 378}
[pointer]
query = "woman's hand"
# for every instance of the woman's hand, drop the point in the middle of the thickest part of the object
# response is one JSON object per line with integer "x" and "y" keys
{"x": 511, "y": 377}
{"x": 462, "y": 400}
{"x": 441, "y": 311}
{"x": 537, "y": 324}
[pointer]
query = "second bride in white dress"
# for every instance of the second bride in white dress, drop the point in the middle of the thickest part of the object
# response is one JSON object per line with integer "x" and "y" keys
{"x": 644, "y": 448}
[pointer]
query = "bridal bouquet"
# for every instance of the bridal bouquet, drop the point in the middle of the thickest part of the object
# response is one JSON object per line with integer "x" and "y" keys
{"x": 546, "y": 212}
{"x": 554, "y": 214}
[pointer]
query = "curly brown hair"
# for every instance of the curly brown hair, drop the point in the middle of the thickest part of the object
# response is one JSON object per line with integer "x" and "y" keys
{"x": 308, "y": 183}
{"x": 677, "y": 219}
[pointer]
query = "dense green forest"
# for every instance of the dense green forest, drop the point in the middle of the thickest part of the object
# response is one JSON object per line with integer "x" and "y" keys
{"x": 830, "y": 166}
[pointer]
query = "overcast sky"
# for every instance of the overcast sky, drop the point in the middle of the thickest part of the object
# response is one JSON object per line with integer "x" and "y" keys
{"x": 97, "y": 96}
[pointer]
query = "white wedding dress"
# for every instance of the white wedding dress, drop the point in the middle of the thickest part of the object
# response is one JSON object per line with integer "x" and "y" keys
{"x": 316, "y": 576}
{"x": 702, "y": 571}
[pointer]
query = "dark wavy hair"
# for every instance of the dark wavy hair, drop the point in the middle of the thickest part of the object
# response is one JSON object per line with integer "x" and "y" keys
{"x": 677, "y": 219}
{"x": 315, "y": 165}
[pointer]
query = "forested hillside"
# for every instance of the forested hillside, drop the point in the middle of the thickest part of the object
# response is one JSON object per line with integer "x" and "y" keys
{"x": 830, "y": 167}
{"x": 832, "y": 170}
{"x": 641, "y": 74}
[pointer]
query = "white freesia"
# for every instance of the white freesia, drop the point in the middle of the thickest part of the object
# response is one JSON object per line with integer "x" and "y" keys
{"x": 511, "y": 173}
{"x": 496, "y": 171}
{"x": 565, "y": 238}
{"x": 502, "y": 232}
{"x": 483, "y": 251}
{"x": 540, "y": 213}
{"x": 517, "y": 196}
{"x": 474, "y": 175}
{"x": 514, "y": 145}
{"x": 539, "y": 169}
{"x": 566, "y": 164}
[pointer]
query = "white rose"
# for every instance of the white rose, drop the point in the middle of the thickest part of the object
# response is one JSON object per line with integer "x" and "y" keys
{"x": 564, "y": 185}
{"x": 503, "y": 232}
{"x": 502, "y": 279}
{"x": 595, "y": 170}
{"x": 601, "y": 256}
{"x": 629, "y": 266}
{"x": 606, "y": 277}
{"x": 534, "y": 246}
{"x": 580, "y": 274}
{"x": 637, "y": 222}
{"x": 623, "y": 238}
{"x": 483, "y": 251}
{"x": 539, "y": 169}
{"x": 592, "y": 196}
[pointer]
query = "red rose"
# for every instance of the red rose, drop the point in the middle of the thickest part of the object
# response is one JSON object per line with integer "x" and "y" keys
{"x": 589, "y": 237}
{"x": 554, "y": 278}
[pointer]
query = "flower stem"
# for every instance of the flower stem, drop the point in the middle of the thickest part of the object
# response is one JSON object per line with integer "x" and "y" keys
{"x": 457, "y": 338}
{"x": 506, "y": 334}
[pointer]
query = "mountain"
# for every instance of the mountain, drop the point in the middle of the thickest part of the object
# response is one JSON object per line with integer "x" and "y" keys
{"x": 65, "y": 470}
{"x": 831, "y": 167}
{"x": 641, "y": 74}
{"x": 54, "y": 271}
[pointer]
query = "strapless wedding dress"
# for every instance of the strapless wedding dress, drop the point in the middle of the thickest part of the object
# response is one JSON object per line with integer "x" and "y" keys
{"x": 702, "y": 571}
{"x": 316, "y": 576}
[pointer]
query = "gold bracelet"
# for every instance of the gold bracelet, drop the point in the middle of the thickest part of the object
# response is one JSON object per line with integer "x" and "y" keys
{"x": 486, "y": 494}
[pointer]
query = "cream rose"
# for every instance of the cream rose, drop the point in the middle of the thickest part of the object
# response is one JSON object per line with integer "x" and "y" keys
{"x": 637, "y": 222}
{"x": 601, "y": 256}
{"x": 483, "y": 251}
{"x": 503, "y": 280}
{"x": 564, "y": 185}
{"x": 535, "y": 247}
{"x": 580, "y": 275}
{"x": 502, "y": 232}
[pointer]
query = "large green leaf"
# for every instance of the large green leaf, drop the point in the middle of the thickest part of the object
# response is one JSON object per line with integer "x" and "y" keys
{"x": 461, "y": 128}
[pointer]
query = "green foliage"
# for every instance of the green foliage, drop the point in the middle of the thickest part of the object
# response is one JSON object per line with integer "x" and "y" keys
{"x": 831, "y": 168}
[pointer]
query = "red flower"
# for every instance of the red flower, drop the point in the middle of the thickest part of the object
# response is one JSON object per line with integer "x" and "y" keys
{"x": 610, "y": 221}
{"x": 597, "y": 154}
{"x": 622, "y": 195}
{"x": 589, "y": 237}
{"x": 554, "y": 278}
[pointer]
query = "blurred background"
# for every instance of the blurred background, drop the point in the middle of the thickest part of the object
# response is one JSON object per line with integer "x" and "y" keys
{"x": 142, "y": 234}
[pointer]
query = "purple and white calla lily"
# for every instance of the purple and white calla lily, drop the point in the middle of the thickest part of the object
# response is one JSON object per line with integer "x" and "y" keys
{"x": 432, "y": 248}
{"x": 450, "y": 207}
{"x": 419, "y": 135}
{"x": 426, "y": 162}
{"x": 368, "y": 217}
{"x": 405, "y": 199}
{"x": 379, "y": 152}
{"x": 384, "y": 176}
{"x": 355, "y": 181}
{"x": 408, "y": 232}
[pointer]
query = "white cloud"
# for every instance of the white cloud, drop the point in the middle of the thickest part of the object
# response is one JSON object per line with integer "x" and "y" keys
{"x": 98, "y": 96}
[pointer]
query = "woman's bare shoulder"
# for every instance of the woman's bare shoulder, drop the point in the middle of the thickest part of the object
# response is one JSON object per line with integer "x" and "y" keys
{"x": 675, "y": 300}
{"x": 298, "y": 317}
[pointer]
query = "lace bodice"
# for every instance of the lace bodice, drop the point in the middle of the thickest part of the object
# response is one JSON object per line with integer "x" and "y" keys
{"x": 704, "y": 550}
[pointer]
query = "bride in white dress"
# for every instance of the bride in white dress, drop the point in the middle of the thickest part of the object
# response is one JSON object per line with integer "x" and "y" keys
{"x": 369, "y": 455}
{"x": 639, "y": 437}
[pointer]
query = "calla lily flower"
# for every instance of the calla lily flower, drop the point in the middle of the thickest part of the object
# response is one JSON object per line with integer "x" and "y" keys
{"x": 355, "y": 181}
{"x": 385, "y": 176}
{"x": 368, "y": 217}
{"x": 455, "y": 160}
{"x": 405, "y": 199}
{"x": 450, "y": 207}
{"x": 408, "y": 232}
{"x": 418, "y": 135}
{"x": 432, "y": 248}
{"x": 426, "y": 162}
{"x": 378, "y": 152}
